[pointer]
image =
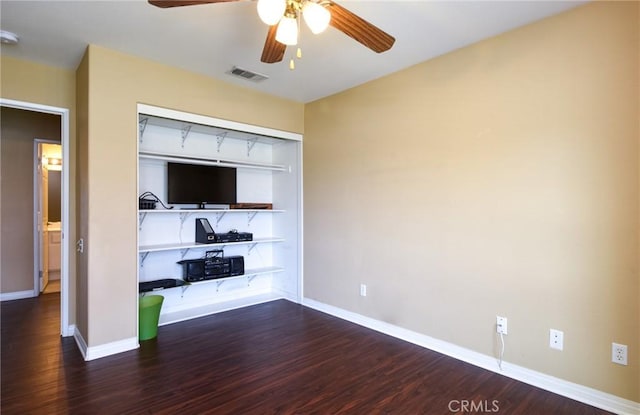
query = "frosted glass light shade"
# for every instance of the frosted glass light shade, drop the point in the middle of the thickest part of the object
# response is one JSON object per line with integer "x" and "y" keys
{"x": 316, "y": 17}
{"x": 271, "y": 11}
{"x": 287, "y": 32}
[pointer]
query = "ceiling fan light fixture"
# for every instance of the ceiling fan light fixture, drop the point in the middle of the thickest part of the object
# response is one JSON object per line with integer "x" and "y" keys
{"x": 271, "y": 11}
{"x": 316, "y": 17}
{"x": 287, "y": 32}
{"x": 8, "y": 38}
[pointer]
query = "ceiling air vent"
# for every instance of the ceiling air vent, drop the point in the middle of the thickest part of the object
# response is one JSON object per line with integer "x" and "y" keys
{"x": 245, "y": 74}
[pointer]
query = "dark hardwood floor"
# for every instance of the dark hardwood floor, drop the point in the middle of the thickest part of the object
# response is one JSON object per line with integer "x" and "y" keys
{"x": 274, "y": 358}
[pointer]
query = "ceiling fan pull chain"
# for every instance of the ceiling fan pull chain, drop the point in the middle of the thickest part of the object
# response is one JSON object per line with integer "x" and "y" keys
{"x": 292, "y": 63}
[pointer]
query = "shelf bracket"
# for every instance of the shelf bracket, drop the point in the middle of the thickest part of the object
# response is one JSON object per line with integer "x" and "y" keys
{"x": 250, "y": 248}
{"x": 183, "y": 217}
{"x": 250, "y": 143}
{"x": 250, "y": 216}
{"x": 183, "y": 289}
{"x": 143, "y": 256}
{"x": 218, "y": 284}
{"x": 183, "y": 252}
{"x": 142, "y": 124}
{"x": 185, "y": 132}
{"x": 250, "y": 278}
{"x": 220, "y": 139}
{"x": 219, "y": 217}
{"x": 142, "y": 216}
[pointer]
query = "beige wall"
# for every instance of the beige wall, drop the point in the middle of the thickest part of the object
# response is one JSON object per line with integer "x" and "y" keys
{"x": 500, "y": 179}
{"x": 115, "y": 83}
{"x": 46, "y": 85}
{"x": 18, "y": 129}
{"x": 37, "y": 83}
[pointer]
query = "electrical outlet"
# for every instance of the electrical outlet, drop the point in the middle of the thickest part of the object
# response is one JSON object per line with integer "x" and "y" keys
{"x": 619, "y": 353}
{"x": 556, "y": 339}
{"x": 501, "y": 325}
{"x": 363, "y": 290}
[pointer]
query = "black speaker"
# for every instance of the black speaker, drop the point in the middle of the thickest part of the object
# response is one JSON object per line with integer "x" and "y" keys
{"x": 236, "y": 265}
{"x": 193, "y": 269}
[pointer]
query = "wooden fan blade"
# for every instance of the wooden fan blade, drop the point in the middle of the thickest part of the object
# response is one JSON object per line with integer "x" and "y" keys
{"x": 359, "y": 29}
{"x": 273, "y": 50}
{"x": 165, "y": 4}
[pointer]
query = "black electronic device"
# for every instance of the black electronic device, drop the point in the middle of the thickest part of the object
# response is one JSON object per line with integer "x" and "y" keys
{"x": 204, "y": 232}
{"x": 159, "y": 284}
{"x": 200, "y": 184}
{"x": 234, "y": 236}
{"x": 213, "y": 266}
{"x": 236, "y": 265}
{"x": 216, "y": 265}
{"x": 193, "y": 269}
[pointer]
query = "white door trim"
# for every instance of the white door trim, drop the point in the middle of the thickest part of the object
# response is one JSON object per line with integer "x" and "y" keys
{"x": 38, "y": 240}
{"x": 65, "y": 328}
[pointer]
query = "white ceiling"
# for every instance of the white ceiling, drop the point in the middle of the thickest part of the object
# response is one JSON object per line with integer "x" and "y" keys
{"x": 210, "y": 39}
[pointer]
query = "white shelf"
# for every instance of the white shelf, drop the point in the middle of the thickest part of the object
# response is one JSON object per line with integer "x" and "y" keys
{"x": 204, "y": 125}
{"x": 204, "y": 211}
{"x": 177, "y": 158}
{"x": 247, "y": 273}
{"x": 190, "y": 245}
{"x": 220, "y": 213}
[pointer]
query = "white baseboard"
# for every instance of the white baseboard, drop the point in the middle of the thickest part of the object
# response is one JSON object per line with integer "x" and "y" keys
{"x": 285, "y": 295}
{"x": 82, "y": 344}
{"x": 108, "y": 349}
{"x": 561, "y": 387}
{"x": 172, "y": 316}
{"x": 70, "y": 331}
{"x": 16, "y": 295}
{"x": 103, "y": 350}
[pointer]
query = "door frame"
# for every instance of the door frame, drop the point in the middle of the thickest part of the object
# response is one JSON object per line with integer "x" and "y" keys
{"x": 65, "y": 328}
{"x": 39, "y": 263}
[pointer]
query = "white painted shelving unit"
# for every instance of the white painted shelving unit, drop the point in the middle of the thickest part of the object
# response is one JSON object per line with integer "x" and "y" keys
{"x": 268, "y": 164}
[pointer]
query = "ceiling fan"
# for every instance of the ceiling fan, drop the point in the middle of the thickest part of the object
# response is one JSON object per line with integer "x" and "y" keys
{"x": 282, "y": 17}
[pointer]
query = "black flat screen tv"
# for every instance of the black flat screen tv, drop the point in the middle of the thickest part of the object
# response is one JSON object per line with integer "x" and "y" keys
{"x": 199, "y": 184}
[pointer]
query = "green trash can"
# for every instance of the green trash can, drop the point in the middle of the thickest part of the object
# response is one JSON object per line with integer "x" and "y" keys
{"x": 149, "y": 313}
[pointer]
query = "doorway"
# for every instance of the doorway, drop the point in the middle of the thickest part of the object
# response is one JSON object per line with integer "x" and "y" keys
{"x": 66, "y": 329}
{"x": 47, "y": 195}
